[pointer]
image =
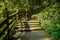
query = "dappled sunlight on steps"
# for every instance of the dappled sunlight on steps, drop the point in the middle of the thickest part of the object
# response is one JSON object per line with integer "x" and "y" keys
{"x": 30, "y": 30}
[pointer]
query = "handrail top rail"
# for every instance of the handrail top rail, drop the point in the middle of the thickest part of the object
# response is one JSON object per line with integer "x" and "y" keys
{"x": 3, "y": 20}
{"x": 1, "y": 23}
{"x": 14, "y": 13}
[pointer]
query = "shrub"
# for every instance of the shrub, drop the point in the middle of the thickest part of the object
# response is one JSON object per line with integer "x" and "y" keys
{"x": 49, "y": 20}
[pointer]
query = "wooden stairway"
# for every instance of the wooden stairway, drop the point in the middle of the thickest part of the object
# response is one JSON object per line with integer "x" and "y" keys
{"x": 31, "y": 26}
{"x": 30, "y": 30}
{"x": 25, "y": 27}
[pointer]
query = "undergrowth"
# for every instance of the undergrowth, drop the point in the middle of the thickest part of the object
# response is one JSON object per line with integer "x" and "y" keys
{"x": 49, "y": 20}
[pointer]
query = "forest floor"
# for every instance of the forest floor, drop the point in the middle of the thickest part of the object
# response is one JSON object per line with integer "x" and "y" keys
{"x": 34, "y": 35}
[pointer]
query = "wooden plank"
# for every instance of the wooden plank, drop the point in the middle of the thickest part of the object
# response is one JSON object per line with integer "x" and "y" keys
{"x": 3, "y": 27}
{"x": 4, "y": 22}
{"x": 12, "y": 25}
{"x": 12, "y": 21}
{"x": 14, "y": 14}
{"x": 4, "y": 35}
{"x": 3, "y": 31}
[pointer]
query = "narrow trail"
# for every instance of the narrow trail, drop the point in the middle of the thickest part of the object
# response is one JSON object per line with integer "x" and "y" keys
{"x": 31, "y": 30}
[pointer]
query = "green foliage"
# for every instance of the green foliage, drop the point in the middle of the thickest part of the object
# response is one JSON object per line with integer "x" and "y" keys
{"x": 54, "y": 30}
{"x": 2, "y": 6}
{"x": 50, "y": 20}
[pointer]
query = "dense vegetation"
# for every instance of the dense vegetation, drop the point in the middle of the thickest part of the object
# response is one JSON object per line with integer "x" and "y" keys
{"x": 50, "y": 20}
{"x": 21, "y": 5}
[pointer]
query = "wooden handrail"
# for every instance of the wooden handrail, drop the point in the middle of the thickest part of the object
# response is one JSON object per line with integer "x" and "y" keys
{"x": 14, "y": 17}
{"x": 2, "y": 23}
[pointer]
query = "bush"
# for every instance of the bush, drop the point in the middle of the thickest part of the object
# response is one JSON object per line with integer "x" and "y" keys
{"x": 54, "y": 30}
{"x": 49, "y": 20}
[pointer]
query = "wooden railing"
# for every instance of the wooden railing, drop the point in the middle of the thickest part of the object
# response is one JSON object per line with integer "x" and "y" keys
{"x": 8, "y": 24}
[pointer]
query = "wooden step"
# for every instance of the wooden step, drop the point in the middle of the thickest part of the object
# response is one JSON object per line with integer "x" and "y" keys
{"x": 17, "y": 34}
{"x": 33, "y": 28}
{"x": 18, "y": 24}
{"x": 30, "y": 22}
{"x": 30, "y": 26}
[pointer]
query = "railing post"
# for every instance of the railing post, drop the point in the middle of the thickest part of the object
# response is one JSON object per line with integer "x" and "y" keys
{"x": 17, "y": 15}
{"x": 7, "y": 23}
